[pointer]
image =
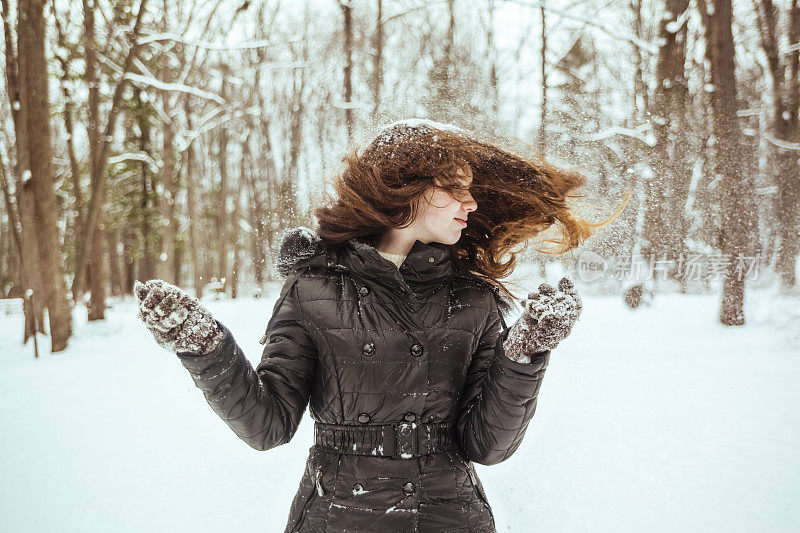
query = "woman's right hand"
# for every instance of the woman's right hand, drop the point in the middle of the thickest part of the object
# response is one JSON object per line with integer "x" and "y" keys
{"x": 548, "y": 319}
{"x": 178, "y": 321}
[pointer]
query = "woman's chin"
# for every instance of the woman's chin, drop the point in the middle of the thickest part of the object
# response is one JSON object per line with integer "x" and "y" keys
{"x": 452, "y": 239}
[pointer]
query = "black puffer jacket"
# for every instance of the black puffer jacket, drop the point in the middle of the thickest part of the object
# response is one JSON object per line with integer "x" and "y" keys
{"x": 406, "y": 380}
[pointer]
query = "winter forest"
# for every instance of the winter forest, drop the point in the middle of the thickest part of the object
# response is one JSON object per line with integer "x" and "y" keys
{"x": 148, "y": 139}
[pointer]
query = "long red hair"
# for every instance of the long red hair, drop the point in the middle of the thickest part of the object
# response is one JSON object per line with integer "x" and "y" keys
{"x": 518, "y": 197}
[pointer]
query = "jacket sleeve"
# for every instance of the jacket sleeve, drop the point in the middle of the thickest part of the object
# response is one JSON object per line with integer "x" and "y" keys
{"x": 263, "y": 406}
{"x": 499, "y": 396}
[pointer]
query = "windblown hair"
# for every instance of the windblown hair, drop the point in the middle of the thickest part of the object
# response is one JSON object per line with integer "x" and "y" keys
{"x": 517, "y": 197}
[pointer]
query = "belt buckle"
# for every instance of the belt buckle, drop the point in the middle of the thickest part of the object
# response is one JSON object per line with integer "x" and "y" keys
{"x": 406, "y": 445}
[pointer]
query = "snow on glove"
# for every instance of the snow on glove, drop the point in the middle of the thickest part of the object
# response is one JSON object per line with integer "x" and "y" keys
{"x": 547, "y": 320}
{"x": 178, "y": 321}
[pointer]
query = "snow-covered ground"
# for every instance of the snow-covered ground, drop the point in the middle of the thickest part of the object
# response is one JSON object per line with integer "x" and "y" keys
{"x": 658, "y": 420}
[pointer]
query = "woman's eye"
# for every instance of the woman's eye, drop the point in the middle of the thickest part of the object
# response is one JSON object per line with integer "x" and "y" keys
{"x": 461, "y": 192}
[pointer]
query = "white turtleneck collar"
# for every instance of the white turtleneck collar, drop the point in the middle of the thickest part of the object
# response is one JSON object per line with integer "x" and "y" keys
{"x": 397, "y": 259}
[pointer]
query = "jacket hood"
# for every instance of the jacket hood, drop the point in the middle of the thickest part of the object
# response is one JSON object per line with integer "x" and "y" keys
{"x": 299, "y": 246}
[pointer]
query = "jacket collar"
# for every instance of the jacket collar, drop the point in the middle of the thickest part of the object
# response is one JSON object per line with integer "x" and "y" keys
{"x": 426, "y": 263}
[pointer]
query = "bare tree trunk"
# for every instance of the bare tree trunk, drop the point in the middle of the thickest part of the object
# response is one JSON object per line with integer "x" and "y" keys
{"x": 170, "y": 264}
{"x": 257, "y": 237}
{"x": 735, "y": 186}
{"x": 33, "y": 309}
{"x": 491, "y": 59}
{"x": 265, "y": 215}
{"x": 543, "y": 119}
{"x": 11, "y": 209}
{"x": 169, "y": 179}
{"x": 444, "y": 91}
{"x": 666, "y": 191}
{"x": 792, "y": 178}
{"x": 68, "y": 127}
{"x": 98, "y": 164}
{"x": 377, "y": 63}
{"x": 639, "y": 87}
{"x": 256, "y": 219}
{"x": 451, "y": 38}
{"x": 36, "y": 110}
{"x": 236, "y": 229}
{"x": 786, "y": 99}
{"x": 10, "y": 270}
{"x": 683, "y": 164}
{"x": 129, "y": 264}
{"x": 177, "y": 264}
{"x": 115, "y": 279}
{"x": 190, "y": 200}
{"x": 634, "y": 216}
{"x": 347, "y": 11}
{"x": 147, "y": 266}
{"x": 97, "y": 284}
{"x": 223, "y": 230}
{"x": 96, "y": 264}
{"x": 289, "y": 185}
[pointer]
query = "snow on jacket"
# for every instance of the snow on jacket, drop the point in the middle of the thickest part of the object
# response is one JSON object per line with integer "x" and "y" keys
{"x": 364, "y": 344}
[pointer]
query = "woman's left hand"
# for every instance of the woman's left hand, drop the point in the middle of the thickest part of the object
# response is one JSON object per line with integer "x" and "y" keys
{"x": 178, "y": 321}
{"x": 547, "y": 320}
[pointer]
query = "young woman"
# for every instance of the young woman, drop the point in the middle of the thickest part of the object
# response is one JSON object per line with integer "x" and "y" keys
{"x": 390, "y": 327}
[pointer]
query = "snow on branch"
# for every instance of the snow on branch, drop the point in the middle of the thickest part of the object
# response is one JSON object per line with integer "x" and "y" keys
{"x": 352, "y": 104}
{"x": 158, "y": 37}
{"x": 781, "y": 143}
{"x": 640, "y": 133}
{"x": 164, "y": 86}
{"x": 135, "y": 156}
{"x": 410, "y": 10}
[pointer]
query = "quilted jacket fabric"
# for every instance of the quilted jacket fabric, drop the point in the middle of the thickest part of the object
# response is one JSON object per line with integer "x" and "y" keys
{"x": 361, "y": 342}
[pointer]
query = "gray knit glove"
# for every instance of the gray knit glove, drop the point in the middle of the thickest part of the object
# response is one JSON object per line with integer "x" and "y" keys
{"x": 547, "y": 320}
{"x": 178, "y": 321}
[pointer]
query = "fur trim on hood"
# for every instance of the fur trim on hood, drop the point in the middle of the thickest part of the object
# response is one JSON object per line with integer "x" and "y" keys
{"x": 297, "y": 244}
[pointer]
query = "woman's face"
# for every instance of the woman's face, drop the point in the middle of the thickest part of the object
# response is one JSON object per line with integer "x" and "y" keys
{"x": 440, "y": 211}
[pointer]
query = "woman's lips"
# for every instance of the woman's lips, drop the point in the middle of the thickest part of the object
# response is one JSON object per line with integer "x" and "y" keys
{"x": 462, "y": 221}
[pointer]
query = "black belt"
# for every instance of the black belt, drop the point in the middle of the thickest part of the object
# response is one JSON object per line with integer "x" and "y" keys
{"x": 402, "y": 440}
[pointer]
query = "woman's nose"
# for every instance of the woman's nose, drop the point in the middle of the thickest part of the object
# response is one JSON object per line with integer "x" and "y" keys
{"x": 472, "y": 205}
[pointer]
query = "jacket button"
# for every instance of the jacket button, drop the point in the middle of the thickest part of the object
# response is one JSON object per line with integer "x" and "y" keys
{"x": 431, "y": 260}
{"x": 357, "y": 487}
{"x": 410, "y": 417}
{"x": 363, "y": 291}
{"x": 368, "y": 348}
{"x": 416, "y": 350}
{"x": 363, "y": 418}
{"x": 408, "y": 488}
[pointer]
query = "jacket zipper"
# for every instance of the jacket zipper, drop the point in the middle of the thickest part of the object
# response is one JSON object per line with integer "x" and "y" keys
{"x": 317, "y": 490}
